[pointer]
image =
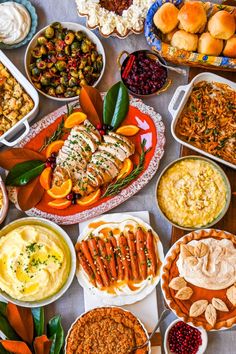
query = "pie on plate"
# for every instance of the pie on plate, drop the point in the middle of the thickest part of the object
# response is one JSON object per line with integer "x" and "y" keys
{"x": 107, "y": 330}
{"x": 119, "y": 259}
{"x": 118, "y": 18}
{"x": 199, "y": 279}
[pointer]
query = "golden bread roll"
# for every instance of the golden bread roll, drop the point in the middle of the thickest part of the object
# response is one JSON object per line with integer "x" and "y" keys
{"x": 166, "y": 17}
{"x": 184, "y": 40}
{"x": 230, "y": 47}
{"x": 209, "y": 45}
{"x": 192, "y": 17}
{"x": 169, "y": 36}
{"x": 222, "y": 25}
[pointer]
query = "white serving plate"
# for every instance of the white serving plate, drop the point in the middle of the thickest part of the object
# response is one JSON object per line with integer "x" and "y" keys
{"x": 71, "y": 274}
{"x": 176, "y": 106}
{"x": 118, "y": 299}
{"x": 24, "y": 122}
{"x": 75, "y": 27}
{"x": 71, "y": 327}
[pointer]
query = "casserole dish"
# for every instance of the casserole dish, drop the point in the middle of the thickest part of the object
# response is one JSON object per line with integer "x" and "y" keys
{"x": 30, "y": 90}
{"x": 178, "y": 103}
{"x": 183, "y": 57}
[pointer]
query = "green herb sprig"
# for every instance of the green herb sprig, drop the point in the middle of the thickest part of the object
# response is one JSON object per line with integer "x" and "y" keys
{"x": 118, "y": 185}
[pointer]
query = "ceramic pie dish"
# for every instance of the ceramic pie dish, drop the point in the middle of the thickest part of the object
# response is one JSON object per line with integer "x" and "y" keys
{"x": 197, "y": 282}
{"x": 114, "y": 18}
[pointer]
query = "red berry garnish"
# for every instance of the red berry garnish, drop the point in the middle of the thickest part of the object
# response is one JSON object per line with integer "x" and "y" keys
{"x": 99, "y": 126}
{"x": 102, "y": 132}
{"x": 48, "y": 164}
{"x": 184, "y": 339}
{"x": 70, "y": 196}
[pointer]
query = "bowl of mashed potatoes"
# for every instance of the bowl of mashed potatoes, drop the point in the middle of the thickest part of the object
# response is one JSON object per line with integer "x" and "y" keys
{"x": 193, "y": 192}
{"x": 37, "y": 262}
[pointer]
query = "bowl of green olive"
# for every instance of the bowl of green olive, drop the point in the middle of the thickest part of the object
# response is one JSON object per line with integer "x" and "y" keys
{"x": 62, "y": 58}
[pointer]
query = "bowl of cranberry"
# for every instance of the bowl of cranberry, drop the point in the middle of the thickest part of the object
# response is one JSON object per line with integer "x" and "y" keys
{"x": 142, "y": 73}
{"x": 181, "y": 338}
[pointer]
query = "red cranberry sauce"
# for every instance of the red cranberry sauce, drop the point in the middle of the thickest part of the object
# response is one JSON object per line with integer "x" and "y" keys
{"x": 146, "y": 75}
{"x": 184, "y": 339}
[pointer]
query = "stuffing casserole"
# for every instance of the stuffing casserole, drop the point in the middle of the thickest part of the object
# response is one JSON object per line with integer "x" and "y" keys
{"x": 15, "y": 103}
{"x": 106, "y": 330}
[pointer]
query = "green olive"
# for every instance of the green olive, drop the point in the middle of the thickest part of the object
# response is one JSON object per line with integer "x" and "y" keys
{"x": 57, "y": 25}
{"x": 41, "y": 64}
{"x": 36, "y": 52}
{"x": 60, "y": 89}
{"x": 75, "y": 46}
{"x": 35, "y": 71}
{"x": 42, "y": 40}
{"x": 67, "y": 50}
{"x": 85, "y": 47}
{"x": 45, "y": 81}
{"x": 72, "y": 82}
{"x": 49, "y": 32}
{"x": 74, "y": 73}
{"x": 51, "y": 91}
{"x": 79, "y": 35}
{"x": 64, "y": 80}
{"x": 69, "y": 38}
{"x": 69, "y": 93}
{"x": 83, "y": 82}
{"x": 61, "y": 65}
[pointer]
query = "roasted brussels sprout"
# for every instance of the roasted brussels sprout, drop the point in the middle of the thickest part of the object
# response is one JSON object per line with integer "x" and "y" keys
{"x": 85, "y": 47}
{"x": 41, "y": 64}
{"x": 74, "y": 73}
{"x": 64, "y": 80}
{"x": 35, "y": 71}
{"x": 83, "y": 63}
{"x": 38, "y": 85}
{"x": 94, "y": 56}
{"x": 36, "y": 52}
{"x": 77, "y": 91}
{"x": 79, "y": 35}
{"x": 75, "y": 46}
{"x": 49, "y": 32}
{"x": 53, "y": 70}
{"x": 69, "y": 37}
{"x": 50, "y": 65}
{"x": 31, "y": 66}
{"x": 60, "y": 65}
{"x": 60, "y": 89}
{"x": 57, "y": 25}
{"x": 69, "y": 93}
{"x": 51, "y": 91}
{"x": 88, "y": 69}
{"x": 83, "y": 82}
{"x": 60, "y": 35}
{"x": 43, "y": 50}
{"x": 45, "y": 81}
{"x": 42, "y": 40}
{"x": 72, "y": 82}
{"x": 67, "y": 50}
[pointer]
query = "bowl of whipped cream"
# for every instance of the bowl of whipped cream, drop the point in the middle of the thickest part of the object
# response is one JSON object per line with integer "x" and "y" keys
{"x": 18, "y": 23}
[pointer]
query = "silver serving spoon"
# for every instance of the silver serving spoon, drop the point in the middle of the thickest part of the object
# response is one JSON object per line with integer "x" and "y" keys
{"x": 161, "y": 318}
{"x": 178, "y": 70}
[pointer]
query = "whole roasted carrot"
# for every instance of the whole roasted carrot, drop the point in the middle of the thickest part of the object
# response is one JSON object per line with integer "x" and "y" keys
{"x": 133, "y": 254}
{"x": 125, "y": 256}
{"x": 140, "y": 239}
{"x": 103, "y": 254}
{"x": 87, "y": 254}
{"x": 120, "y": 272}
{"x": 111, "y": 259}
{"x": 92, "y": 243}
{"x": 152, "y": 257}
{"x": 84, "y": 263}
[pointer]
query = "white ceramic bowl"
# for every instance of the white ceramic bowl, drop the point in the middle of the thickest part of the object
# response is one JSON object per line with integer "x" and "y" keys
{"x": 70, "y": 245}
{"x": 202, "y": 347}
{"x": 227, "y": 184}
{"x": 75, "y": 27}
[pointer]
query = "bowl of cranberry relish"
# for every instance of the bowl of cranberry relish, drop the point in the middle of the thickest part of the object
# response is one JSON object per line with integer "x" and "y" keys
{"x": 181, "y": 338}
{"x": 142, "y": 73}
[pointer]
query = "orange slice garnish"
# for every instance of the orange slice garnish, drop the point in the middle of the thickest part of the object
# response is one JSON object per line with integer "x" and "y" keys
{"x": 60, "y": 203}
{"x": 89, "y": 199}
{"x": 45, "y": 178}
{"x": 55, "y": 146}
{"x": 75, "y": 118}
{"x": 128, "y": 130}
{"x": 126, "y": 169}
{"x": 59, "y": 192}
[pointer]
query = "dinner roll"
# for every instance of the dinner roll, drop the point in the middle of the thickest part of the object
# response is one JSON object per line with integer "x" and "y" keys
{"x": 209, "y": 45}
{"x": 192, "y": 17}
{"x": 222, "y": 25}
{"x": 230, "y": 47}
{"x": 166, "y": 17}
{"x": 184, "y": 40}
{"x": 168, "y": 36}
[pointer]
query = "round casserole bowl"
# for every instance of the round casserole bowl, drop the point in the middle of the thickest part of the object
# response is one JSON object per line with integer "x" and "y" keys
{"x": 70, "y": 26}
{"x": 107, "y": 307}
{"x": 65, "y": 238}
{"x": 227, "y": 186}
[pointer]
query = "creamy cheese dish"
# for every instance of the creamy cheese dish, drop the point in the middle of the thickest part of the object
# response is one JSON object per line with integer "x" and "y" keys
{"x": 215, "y": 270}
{"x": 192, "y": 193}
{"x": 34, "y": 262}
{"x": 15, "y": 22}
{"x": 109, "y": 21}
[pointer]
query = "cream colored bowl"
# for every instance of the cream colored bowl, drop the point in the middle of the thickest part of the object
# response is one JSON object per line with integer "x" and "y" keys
{"x": 61, "y": 233}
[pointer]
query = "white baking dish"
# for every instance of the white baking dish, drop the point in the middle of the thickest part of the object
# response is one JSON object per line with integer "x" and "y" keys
{"x": 24, "y": 122}
{"x": 177, "y": 104}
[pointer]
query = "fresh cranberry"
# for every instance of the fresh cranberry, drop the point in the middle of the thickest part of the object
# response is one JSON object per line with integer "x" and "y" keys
{"x": 184, "y": 339}
{"x": 99, "y": 126}
{"x": 48, "y": 164}
{"x": 70, "y": 196}
{"x": 102, "y": 132}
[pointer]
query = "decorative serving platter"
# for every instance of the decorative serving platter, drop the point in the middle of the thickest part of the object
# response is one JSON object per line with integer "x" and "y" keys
{"x": 151, "y": 129}
{"x": 183, "y": 57}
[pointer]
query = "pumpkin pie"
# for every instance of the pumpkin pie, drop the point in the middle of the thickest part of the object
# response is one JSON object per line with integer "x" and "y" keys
{"x": 199, "y": 279}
